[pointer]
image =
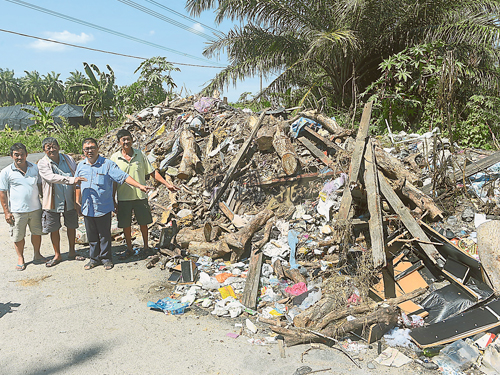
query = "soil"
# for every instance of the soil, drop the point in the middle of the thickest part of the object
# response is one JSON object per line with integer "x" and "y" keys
{"x": 66, "y": 320}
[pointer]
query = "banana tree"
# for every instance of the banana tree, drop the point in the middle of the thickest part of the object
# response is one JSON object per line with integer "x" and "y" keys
{"x": 42, "y": 115}
{"x": 98, "y": 94}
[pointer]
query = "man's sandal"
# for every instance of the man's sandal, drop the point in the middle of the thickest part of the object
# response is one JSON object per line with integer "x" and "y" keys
{"x": 53, "y": 262}
{"x": 76, "y": 257}
{"x": 90, "y": 265}
{"x": 108, "y": 265}
{"x": 21, "y": 267}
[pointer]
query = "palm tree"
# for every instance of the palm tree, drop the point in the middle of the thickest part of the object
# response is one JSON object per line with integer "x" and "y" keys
{"x": 75, "y": 78}
{"x": 98, "y": 93}
{"x": 333, "y": 48}
{"x": 54, "y": 88}
{"x": 32, "y": 84}
{"x": 10, "y": 92}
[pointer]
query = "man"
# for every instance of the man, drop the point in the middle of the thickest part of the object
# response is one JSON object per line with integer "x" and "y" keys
{"x": 95, "y": 198}
{"x": 57, "y": 172}
{"x": 137, "y": 165}
{"x": 22, "y": 204}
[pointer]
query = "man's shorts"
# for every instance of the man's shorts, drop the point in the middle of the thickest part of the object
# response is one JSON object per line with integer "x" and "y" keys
{"x": 21, "y": 219}
{"x": 141, "y": 210}
{"x": 51, "y": 221}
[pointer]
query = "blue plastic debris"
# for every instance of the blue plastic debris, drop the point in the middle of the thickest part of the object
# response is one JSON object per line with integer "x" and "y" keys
{"x": 169, "y": 306}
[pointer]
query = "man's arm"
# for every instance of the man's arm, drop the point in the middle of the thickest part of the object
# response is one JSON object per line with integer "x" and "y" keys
{"x": 129, "y": 180}
{"x": 48, "y": 175}
{"x": 78, "y": 200}
{"x": 168, "y": 184}
{"x": 9, "y": 218}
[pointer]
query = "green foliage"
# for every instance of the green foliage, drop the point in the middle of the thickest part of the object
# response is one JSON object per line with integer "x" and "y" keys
{"x": 329, "y": 51}
{"x": 69, "y": 137}
{"x": 481, "y": 124}
{"x": 149, "y": 88}
{"x": 42, "y": 115}
{"x": 428, "y": 86}
{"x": 98, "y": 93}
{"x": 10, "y": 91}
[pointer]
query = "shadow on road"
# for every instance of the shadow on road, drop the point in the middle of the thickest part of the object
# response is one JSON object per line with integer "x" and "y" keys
{"x": 6, "y": 308}
{"x": 79, "y": 356}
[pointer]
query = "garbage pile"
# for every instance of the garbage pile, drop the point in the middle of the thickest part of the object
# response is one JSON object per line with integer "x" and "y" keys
{"x": 325, "y": 234}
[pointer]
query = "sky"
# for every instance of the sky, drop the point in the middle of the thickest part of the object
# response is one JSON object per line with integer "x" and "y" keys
{"x": 140, "y": 34}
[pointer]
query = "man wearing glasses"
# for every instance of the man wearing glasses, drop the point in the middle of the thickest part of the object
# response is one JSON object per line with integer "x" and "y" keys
{"x": 95, "y": 198}
{"x": 57, "y": 171}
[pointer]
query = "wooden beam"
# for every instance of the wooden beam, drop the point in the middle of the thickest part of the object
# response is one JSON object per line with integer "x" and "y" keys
{"x": 305, "y": 176}
{"x": 375, "y": 209}
{"x": 357, "y": 157}
{"x": 226, "y": 210}
{"x": 470, "y": 170}
{"x": 252, "y": 281}
{"x": 316, "y": 152}
{"x": 237, "y": 159}
{"x": 331, "y": 145}
{"x": 409, "y": 222}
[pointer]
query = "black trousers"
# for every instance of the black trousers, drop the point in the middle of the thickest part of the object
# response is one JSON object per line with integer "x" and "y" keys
{"x": 99, "y": 237}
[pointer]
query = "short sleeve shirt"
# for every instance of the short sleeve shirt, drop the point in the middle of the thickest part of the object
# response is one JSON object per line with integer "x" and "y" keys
{"x": 97, "y": 191}
{"x": 24, "y": 195}
{"x": 63, "y": 193}
{"x": 138, "y": 167}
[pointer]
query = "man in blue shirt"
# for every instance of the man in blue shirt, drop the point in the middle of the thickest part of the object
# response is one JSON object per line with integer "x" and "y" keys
{"x": 19, "y": 196}
{"x": 95, "y": 199}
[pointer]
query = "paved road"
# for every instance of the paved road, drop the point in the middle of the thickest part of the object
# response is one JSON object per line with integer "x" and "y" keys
{"x": 6, "y": 160}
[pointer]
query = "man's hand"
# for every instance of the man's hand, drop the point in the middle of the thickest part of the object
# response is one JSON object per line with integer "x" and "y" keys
{"x": 9, "y": 218}
{"x": 170, "y": 186}
{"x": 144, "y": 188}
{"x": 79, "y": 179}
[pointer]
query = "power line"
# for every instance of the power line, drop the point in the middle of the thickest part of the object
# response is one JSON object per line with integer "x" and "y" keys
{"x": 88, "y": 24}
{"x": 183, "y": 16}
{"x": 103, "y": 51}
{"x": 165, "y": 18}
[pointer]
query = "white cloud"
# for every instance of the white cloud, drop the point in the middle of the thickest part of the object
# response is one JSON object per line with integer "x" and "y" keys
{"x": 198, "y": 27}
{"x": 64, "y": 36}
{"x": 152, "y": 32}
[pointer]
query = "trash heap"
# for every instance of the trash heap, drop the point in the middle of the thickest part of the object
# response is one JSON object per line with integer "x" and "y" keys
{"x": 323, "y": 233}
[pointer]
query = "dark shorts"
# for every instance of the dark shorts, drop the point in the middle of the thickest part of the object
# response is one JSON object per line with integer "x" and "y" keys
{"x": 51, "y": 221}
{"x": 141, "y": 210}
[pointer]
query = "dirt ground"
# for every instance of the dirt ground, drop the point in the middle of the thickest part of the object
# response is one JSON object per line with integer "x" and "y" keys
{"x": 65, "y": 320}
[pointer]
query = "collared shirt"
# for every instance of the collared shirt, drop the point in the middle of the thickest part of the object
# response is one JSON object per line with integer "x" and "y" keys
{"x": 63, "y": 194}
{"x": 138, "y": 167}
{"x": 97, "y": 191}
{"x": 22, "y": 187}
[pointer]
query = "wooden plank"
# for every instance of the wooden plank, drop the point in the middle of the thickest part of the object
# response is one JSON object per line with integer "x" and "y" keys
{"x": 449, "y": 250}
{"x": 305, "y": 176}
{"x": 252, "y": 281}
{"x": 409, "y": 222}
{"x": 388, "y": 281}
{"x": 461, "y": 326}
{"x": 471, "y": 169}
{"x": 357, "y": 157}
{"x": 234, "y": 164}
{"x": 331, "y": 145}
{"x": 317, "y": 152}
{"x": 374, "y": 207}
{"x": 226, "y": 210}
{"x": 461, "y": 285}
{"x": 377, "y": 330}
